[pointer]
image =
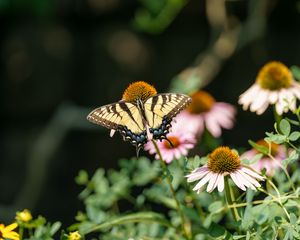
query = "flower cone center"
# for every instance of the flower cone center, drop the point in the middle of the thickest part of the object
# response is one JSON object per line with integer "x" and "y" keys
{"x": 138, "y": 90}
{"x": 222, "y": 160}
{"x": 174, "y": 140}
{"x": 201, "y": 102}
{"x": 274, "y": 76}
{"x": 274, "y": 146}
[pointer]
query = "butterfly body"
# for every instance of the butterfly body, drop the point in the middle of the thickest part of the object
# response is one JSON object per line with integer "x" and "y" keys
{"x": 141, "y": 120}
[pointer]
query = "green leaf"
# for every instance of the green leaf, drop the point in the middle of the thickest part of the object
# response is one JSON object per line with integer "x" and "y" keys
{"x": 54, "y": 228}
{"x": 215, "y": 206}
{"x": 296, "y": 72}
{"x": 259, "y": 148}
{"x": 216, "y": 231}
{"x": 285, "y": 127}
{"x": 253, "y": 160}
{"x": 276, "y": 138}
{"x": 291, "y": 158}
{"x": 82, "y": 178}
{"x": 293, "y": 219}
{"x": 294, "y": 136}
{"x": 291, "y": 121}
{"x": 146, "y": 217}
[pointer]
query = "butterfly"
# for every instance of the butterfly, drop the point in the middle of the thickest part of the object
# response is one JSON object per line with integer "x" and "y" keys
{"x": 143, "y": 119}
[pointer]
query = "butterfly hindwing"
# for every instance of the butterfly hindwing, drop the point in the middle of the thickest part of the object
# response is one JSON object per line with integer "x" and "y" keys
{"x": 160, "y": 110}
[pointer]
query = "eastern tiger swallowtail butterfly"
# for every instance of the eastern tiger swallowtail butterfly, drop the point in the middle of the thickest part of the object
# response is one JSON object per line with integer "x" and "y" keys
{"x": 143, "y": 119}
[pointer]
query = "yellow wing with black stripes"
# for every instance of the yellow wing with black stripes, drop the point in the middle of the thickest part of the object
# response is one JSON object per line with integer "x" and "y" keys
{"x": 124, "y": 117}
{"x": 161, "y": 109}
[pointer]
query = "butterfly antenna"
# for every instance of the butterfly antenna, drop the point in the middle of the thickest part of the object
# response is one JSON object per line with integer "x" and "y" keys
{"x": 170, "y": 142}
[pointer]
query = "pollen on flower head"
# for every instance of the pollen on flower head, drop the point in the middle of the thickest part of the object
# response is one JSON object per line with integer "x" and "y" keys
{"x": 138, "y": 90}
{"x": 223, "y": 160}
{"x": 24, "y": 216}
{"x": 174, "y": 140}
{"x": 274, "y": 146}
{"x": 201, "y": 102}
{"x": 274, "y": 76}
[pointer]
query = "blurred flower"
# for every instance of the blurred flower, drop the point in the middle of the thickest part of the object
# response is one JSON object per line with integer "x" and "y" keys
{"x": 222, "y": 162}
{"x": 270, "y": 164}
{"x": 181, "y": 141}
{"x": 8, "y": 233}
{"x": 74, "y": 236}
{"x": 274, "y": 85}
{"x": 24, "y": 216}
{"x": 205, "y": 111}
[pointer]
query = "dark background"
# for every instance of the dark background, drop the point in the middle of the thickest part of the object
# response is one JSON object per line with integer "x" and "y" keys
{"x": 60, "y": 59}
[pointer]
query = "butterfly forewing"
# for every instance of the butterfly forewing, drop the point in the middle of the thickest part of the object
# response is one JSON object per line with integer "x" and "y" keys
{"x": 166, "y": 105}
{"x": 118, "y": 114}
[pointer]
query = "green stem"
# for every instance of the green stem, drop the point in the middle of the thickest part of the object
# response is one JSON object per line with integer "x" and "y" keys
{"x": 277, "y": 117}
{"x": 293, "y": 146}
{"x": 169, "y": 181}
{"x": 193, "y": 195}
{"x": 239, "y": 205}
{"x": 231, "y": 199}
{"x": 285, "y": 171}
{"x": 279, "y": 197}
{"x": 21, "y": 231}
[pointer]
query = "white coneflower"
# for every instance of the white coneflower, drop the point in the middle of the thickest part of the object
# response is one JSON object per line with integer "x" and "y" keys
{"x": 274, "y": 85}
{"x": 222, "y": 162}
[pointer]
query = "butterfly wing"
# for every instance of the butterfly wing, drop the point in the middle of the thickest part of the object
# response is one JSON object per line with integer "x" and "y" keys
{"x": 121, "y": 116}
{"x": 161, "y": 109}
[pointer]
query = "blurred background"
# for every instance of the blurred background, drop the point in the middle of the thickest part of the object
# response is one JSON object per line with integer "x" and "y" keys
{"x": 62, "y": 58}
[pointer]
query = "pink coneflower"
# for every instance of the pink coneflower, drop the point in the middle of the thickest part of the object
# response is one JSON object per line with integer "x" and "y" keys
{"x": 181, "y": 140}
{"x": 274, "y": 85}
{"x": 222, "y": 162}
{"x": 204, "y": 111}
{"x": 270, "y": 164}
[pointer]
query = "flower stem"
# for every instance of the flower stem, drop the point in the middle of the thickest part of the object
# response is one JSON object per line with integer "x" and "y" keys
{"x": 169, "y": 181}
{"x": 231, "y": 199}
{"x": 277, "y": 117}
{"x": 21, "y": 231}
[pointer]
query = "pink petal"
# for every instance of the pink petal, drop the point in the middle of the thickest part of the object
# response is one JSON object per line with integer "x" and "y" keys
{"x": 212, "y": 126}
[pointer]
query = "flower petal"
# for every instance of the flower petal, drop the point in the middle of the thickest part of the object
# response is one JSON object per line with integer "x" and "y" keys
{"x": 10, "y": 227}
{"x": 203, "y": 181}
{"x": 236, "y": 181}
{"x": 250, "y": 179}
{"x": 212, "y": 182}
{"x": 251, "y": 172}
{"x": 221, "y": 183}
{"x": 194, "y": 176}
{"x": 245, "y": 181}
